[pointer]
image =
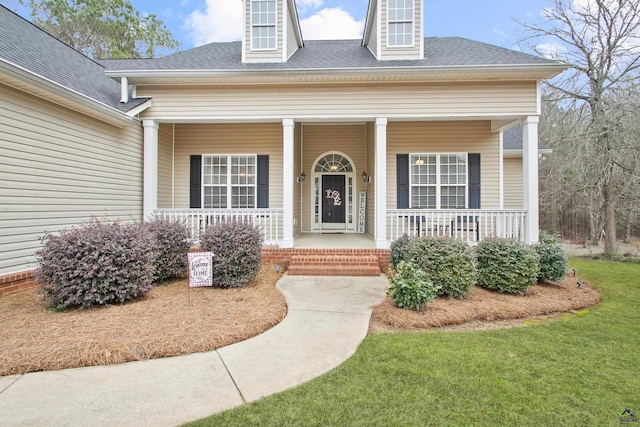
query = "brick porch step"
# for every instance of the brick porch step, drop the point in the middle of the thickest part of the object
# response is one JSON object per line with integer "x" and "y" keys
{"x": 334, "y": 265}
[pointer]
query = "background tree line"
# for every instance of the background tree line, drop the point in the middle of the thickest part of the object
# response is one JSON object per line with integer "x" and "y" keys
{"x": 589, "y": 185}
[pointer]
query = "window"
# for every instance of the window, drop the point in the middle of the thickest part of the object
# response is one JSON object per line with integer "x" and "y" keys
{"x": 438, "y": 181}
{"x": 400, "y": 23}
{"x": 263, "y": 24}
{"x": 229, "y": 181}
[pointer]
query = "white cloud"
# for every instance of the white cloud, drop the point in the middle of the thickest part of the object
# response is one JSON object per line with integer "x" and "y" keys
{"x": 220, "y": 21}
{"x": 331, "y": 24}
{"x": 552, "y": 50}
{"x": 302, "y": 4}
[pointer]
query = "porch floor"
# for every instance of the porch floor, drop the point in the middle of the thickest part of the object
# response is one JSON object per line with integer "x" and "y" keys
{"x": 334, "y": 241}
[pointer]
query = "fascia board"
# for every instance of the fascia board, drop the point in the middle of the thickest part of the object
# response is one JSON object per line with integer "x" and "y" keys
{"x": 545, "y": 71}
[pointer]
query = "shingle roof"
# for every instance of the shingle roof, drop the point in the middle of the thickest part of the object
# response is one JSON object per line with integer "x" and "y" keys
{"x": 512, "y": 140}
{"x": 27, "y": 46}
{"x": 333, "y": 54}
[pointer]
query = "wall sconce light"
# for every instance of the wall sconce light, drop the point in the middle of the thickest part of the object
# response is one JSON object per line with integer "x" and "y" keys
{"x": 301, "y": 177}
{"x": 366, "y": 177}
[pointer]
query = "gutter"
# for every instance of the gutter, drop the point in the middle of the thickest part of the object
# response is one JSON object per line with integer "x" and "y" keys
{"x": 67, "y": 93}
{"x": 404, "y": 70}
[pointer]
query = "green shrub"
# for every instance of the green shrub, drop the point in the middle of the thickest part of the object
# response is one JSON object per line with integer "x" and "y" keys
{"x": 170, "y": 248}
{"x": 398, "y": 248}
{"x": 410, "y": 288}
{"x": 97, "y": 264}
{"x": 553, "y": 260}
{"x": 237, "y": 252}
{"x": 506, "y": 265}
{"x": 449, "y": 263}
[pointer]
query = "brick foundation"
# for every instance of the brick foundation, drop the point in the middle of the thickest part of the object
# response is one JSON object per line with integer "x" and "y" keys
{"x": 17, "y": 282}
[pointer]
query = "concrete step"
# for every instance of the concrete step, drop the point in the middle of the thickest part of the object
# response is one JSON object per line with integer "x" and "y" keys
{"x": 340, "y": 264}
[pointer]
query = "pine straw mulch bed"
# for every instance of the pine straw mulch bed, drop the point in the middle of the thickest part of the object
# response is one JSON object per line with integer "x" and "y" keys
{"x": 169, "y": 320}
{"x": 484, "y": 309}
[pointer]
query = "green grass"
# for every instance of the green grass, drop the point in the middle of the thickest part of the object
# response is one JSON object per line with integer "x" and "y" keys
{"x": 576, "y": 371}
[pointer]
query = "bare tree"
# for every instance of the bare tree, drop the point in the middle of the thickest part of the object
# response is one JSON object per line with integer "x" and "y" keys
{"x": 599, "y": 39}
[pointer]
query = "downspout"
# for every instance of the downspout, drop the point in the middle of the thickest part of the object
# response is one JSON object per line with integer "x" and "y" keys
{"x": 173, "y": 167}
{"x": 124, "y": 90}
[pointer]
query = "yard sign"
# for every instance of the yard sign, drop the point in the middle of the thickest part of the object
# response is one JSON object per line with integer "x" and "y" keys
{"x": 200, "y": 269}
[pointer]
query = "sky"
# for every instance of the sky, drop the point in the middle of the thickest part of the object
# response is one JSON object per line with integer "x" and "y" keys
{"x": 196, "y": 22}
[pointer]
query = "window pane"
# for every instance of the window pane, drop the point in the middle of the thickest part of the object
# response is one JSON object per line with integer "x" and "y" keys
{"x": 215, "y": 197}
{"x": 423, "y": 197}
{"x": 452, "y": 197}
{"x": 243, "y": 197}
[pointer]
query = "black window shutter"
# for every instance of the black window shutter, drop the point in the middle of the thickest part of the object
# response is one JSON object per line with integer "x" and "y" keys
{"x": 402, "y": 169}
{"x": 195, "y": 182}
{"x": 263, "y": 181}
{"x": 474, "y": 180}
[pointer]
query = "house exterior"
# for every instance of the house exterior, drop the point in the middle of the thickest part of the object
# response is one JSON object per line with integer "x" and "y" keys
{"x": 69, "y": 149}
{"x": 389, "y": 135}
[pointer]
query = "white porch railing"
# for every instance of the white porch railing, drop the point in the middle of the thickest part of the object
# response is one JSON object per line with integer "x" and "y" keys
{"x": 468, "y": 225}
{"x": 197, "y": 220}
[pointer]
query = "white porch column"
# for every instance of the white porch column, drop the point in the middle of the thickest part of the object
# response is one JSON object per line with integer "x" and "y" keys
{"x": 150, "y": 196}
{"x": 380, "y": 176}
{"x": 530, "y": 177}
{"x": 287, "y": 181}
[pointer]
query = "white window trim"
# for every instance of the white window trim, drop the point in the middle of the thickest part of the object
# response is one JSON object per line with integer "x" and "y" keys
{"x": 275, "y": 28}
{"x": 229, "y": 185}
{"x": 439, "y": 184}
{"x": 413, "y": 27}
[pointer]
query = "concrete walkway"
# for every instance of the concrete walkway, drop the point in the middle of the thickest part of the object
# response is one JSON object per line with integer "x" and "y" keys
{"x": 327, "y": 319}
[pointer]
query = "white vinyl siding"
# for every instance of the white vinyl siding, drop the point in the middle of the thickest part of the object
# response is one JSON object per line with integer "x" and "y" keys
{"x": 222, "y": 139}
{"x": 59, "y": 168}
{"x": 356, "y": 102}
{"x": 369, "y": 187}
{"x": 292, "y": 42}
{"x": 165, "y": 166}
{"x": 446, "y": 138}
{"x": 513, "y": 183}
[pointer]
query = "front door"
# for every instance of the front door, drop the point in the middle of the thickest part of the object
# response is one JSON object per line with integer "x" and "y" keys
{"x": 333, "y": 201}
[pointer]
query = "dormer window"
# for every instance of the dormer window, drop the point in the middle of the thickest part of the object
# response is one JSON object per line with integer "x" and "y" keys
{"x": 263, "y": 24}
{"x": 401, "y": 16}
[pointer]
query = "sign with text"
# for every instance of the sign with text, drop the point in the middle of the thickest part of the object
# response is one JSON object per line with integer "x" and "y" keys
{"x": 200, "y": 269}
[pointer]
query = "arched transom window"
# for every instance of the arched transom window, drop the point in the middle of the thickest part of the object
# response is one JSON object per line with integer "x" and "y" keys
{"x": 333, "y": 163}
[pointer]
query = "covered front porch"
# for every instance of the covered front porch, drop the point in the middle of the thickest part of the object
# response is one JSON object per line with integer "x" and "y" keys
{"x": 300, "y": 158}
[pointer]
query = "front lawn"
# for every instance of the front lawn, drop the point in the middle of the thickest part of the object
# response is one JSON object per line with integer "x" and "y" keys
{"x": 580, "y": 370}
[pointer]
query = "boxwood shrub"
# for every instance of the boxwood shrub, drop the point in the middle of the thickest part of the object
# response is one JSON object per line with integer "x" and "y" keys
{"x": 448, "y": 263}
{"x": 410, "y": 287}
{"x": 398, "y": 248}
{"x": 237, "y": 252}
{"x": 96, "y": 264}
{"x": 507, "y": 266}
{"x": 553, "y": 260}
{"x": 171, "y": 244}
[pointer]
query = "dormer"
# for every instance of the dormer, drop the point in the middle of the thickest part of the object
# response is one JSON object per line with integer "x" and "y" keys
{"x": 393, "y": 30}
{"x": 271, "y": 31}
